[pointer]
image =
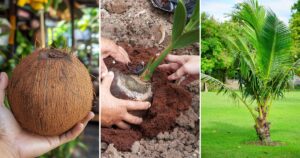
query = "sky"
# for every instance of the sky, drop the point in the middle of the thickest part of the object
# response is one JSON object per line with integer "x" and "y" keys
{"x": 219, "y": 8}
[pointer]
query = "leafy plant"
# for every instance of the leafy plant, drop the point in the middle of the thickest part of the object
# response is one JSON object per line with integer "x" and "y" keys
{"x": 295, "y": 31}
{"x": 265, "y": 63}
{"x": 183, "y": 34}
{"x": 216, "y": 58}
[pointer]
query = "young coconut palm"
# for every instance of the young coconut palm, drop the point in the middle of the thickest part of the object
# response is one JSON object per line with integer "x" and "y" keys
{"x": 265, "y": 63}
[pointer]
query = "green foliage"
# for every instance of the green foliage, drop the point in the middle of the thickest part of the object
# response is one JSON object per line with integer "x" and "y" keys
{"x": 264, "y": 50}
{"x": 179, "y": 21}
{"x": 59, "y": 37}
{"x": 295, "y": 31}
{"x": 9, "y": 61}
{"x": 185, "y": 34}
{"x": 89, "y": 20}
{"x": 85, "y": 51}
{"x": 182, "y": 35}
{"x": 216, "y": 57}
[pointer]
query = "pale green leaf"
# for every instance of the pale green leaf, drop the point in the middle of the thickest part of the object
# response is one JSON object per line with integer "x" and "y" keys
{"x": 186, "y": 39}
{"x": 194, "y": 20}
{"x": 179, "y": 20}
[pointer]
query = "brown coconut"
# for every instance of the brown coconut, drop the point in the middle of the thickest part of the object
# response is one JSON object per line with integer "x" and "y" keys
{"x": 131, "y": 87}
{"x": 49, "y": 92}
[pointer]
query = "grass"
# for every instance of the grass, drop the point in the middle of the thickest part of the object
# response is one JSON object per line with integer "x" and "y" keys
{"x": 227, "y": 128}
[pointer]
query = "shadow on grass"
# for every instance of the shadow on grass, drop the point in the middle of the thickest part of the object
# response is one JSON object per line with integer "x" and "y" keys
{"x": 230, "y": 133}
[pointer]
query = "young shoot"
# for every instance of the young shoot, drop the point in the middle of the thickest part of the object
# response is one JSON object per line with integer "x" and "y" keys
{"x": 183, "y": 34}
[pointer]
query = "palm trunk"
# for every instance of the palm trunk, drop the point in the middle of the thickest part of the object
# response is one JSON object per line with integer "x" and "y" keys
{"x": 205, "y": 87}
{"x": 262, "y": 127}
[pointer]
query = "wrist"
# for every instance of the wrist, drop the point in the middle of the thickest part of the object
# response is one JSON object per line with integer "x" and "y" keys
{"x": 7, "y": 150}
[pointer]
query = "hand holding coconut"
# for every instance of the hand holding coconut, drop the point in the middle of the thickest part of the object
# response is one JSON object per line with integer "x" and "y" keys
{"x": 181, "y": 65}
{"x": 114, "y": 111}
{"x": 20, "y": 143}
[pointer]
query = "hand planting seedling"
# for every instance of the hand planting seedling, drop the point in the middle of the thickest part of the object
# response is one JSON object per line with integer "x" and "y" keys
{"x": 183, "y": 34}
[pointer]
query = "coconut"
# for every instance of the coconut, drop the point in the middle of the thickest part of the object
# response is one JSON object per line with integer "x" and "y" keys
{"x": 49, "y": 92}
{"x": 130, "y": 87}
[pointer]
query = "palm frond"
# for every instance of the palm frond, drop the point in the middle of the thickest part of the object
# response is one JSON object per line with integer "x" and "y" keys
{"x": 264, "y": 48}
{"x": 217, "y": 83}
{"x": 274, "y": 53}
{"x": 223, "y": 88}
{"x": 252, "y": 14}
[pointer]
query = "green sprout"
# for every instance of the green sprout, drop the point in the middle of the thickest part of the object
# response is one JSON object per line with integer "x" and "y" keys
{"x": 183, "y": 34}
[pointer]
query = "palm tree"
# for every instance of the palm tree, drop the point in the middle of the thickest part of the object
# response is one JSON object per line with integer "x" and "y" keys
{"x": 265, "y": 63}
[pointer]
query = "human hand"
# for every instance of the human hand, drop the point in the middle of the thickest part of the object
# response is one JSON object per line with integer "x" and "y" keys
{"x": 109, "y": 48}
{"x": 20, "y": 143}
{"x": 114, "y": 111}
{"x": 181, "y": 65}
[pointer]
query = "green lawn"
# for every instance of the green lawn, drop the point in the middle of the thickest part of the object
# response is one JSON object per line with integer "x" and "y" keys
{"x": 228, "y": 126}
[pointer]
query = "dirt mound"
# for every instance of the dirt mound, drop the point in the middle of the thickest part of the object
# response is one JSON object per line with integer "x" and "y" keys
{"x": 168, "y": 100}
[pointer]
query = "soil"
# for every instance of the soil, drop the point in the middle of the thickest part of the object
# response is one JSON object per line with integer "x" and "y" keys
{"x": 136, "y": 26}
{"x": 138, "y": 23}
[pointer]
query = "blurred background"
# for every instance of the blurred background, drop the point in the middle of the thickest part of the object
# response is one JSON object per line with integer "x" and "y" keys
{"x": 71, "y": 24}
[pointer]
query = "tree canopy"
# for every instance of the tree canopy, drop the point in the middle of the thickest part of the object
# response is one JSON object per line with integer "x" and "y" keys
{"x": 295, "y": 29}
{"x": 216, "y": 58}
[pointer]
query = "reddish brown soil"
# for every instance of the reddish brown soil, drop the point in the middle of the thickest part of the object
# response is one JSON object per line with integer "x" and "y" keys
{"x": 168, "y": 100}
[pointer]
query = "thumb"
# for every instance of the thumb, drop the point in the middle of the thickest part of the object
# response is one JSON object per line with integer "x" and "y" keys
{"x": 3, "y": 85}
{"x": 107, "y": 80}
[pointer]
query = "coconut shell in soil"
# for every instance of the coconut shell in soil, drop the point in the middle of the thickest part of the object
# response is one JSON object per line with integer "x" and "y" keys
{"x": 167, "y": 101}
{"x": 50, "y": 91}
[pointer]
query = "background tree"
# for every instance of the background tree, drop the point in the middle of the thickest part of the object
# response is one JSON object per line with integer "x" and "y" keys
{"x": 216, "y": 58}
{"x": 295, "y": 31}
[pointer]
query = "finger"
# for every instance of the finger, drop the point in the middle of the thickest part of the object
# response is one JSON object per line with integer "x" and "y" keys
{"x": 179, "y": 73}
{"x": 132, "y": 119}
{"x": 123, "y": 125}
{"x": 120, "y": 55}
{"x": 107, "y": 80}
{"x": 104, "y": 55}
{"x": 175, "y": 58}
{"x": 125, "y": 54}
{"x": 171, "y": 66}
{"x": 43, "y": 144}
{"x": 90, "y": 116}
{"x": 135, "y": 105}
{"x": 3, "y": 85}
{"x": 76, "y": 130}
{"x": 72, "y": 134}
